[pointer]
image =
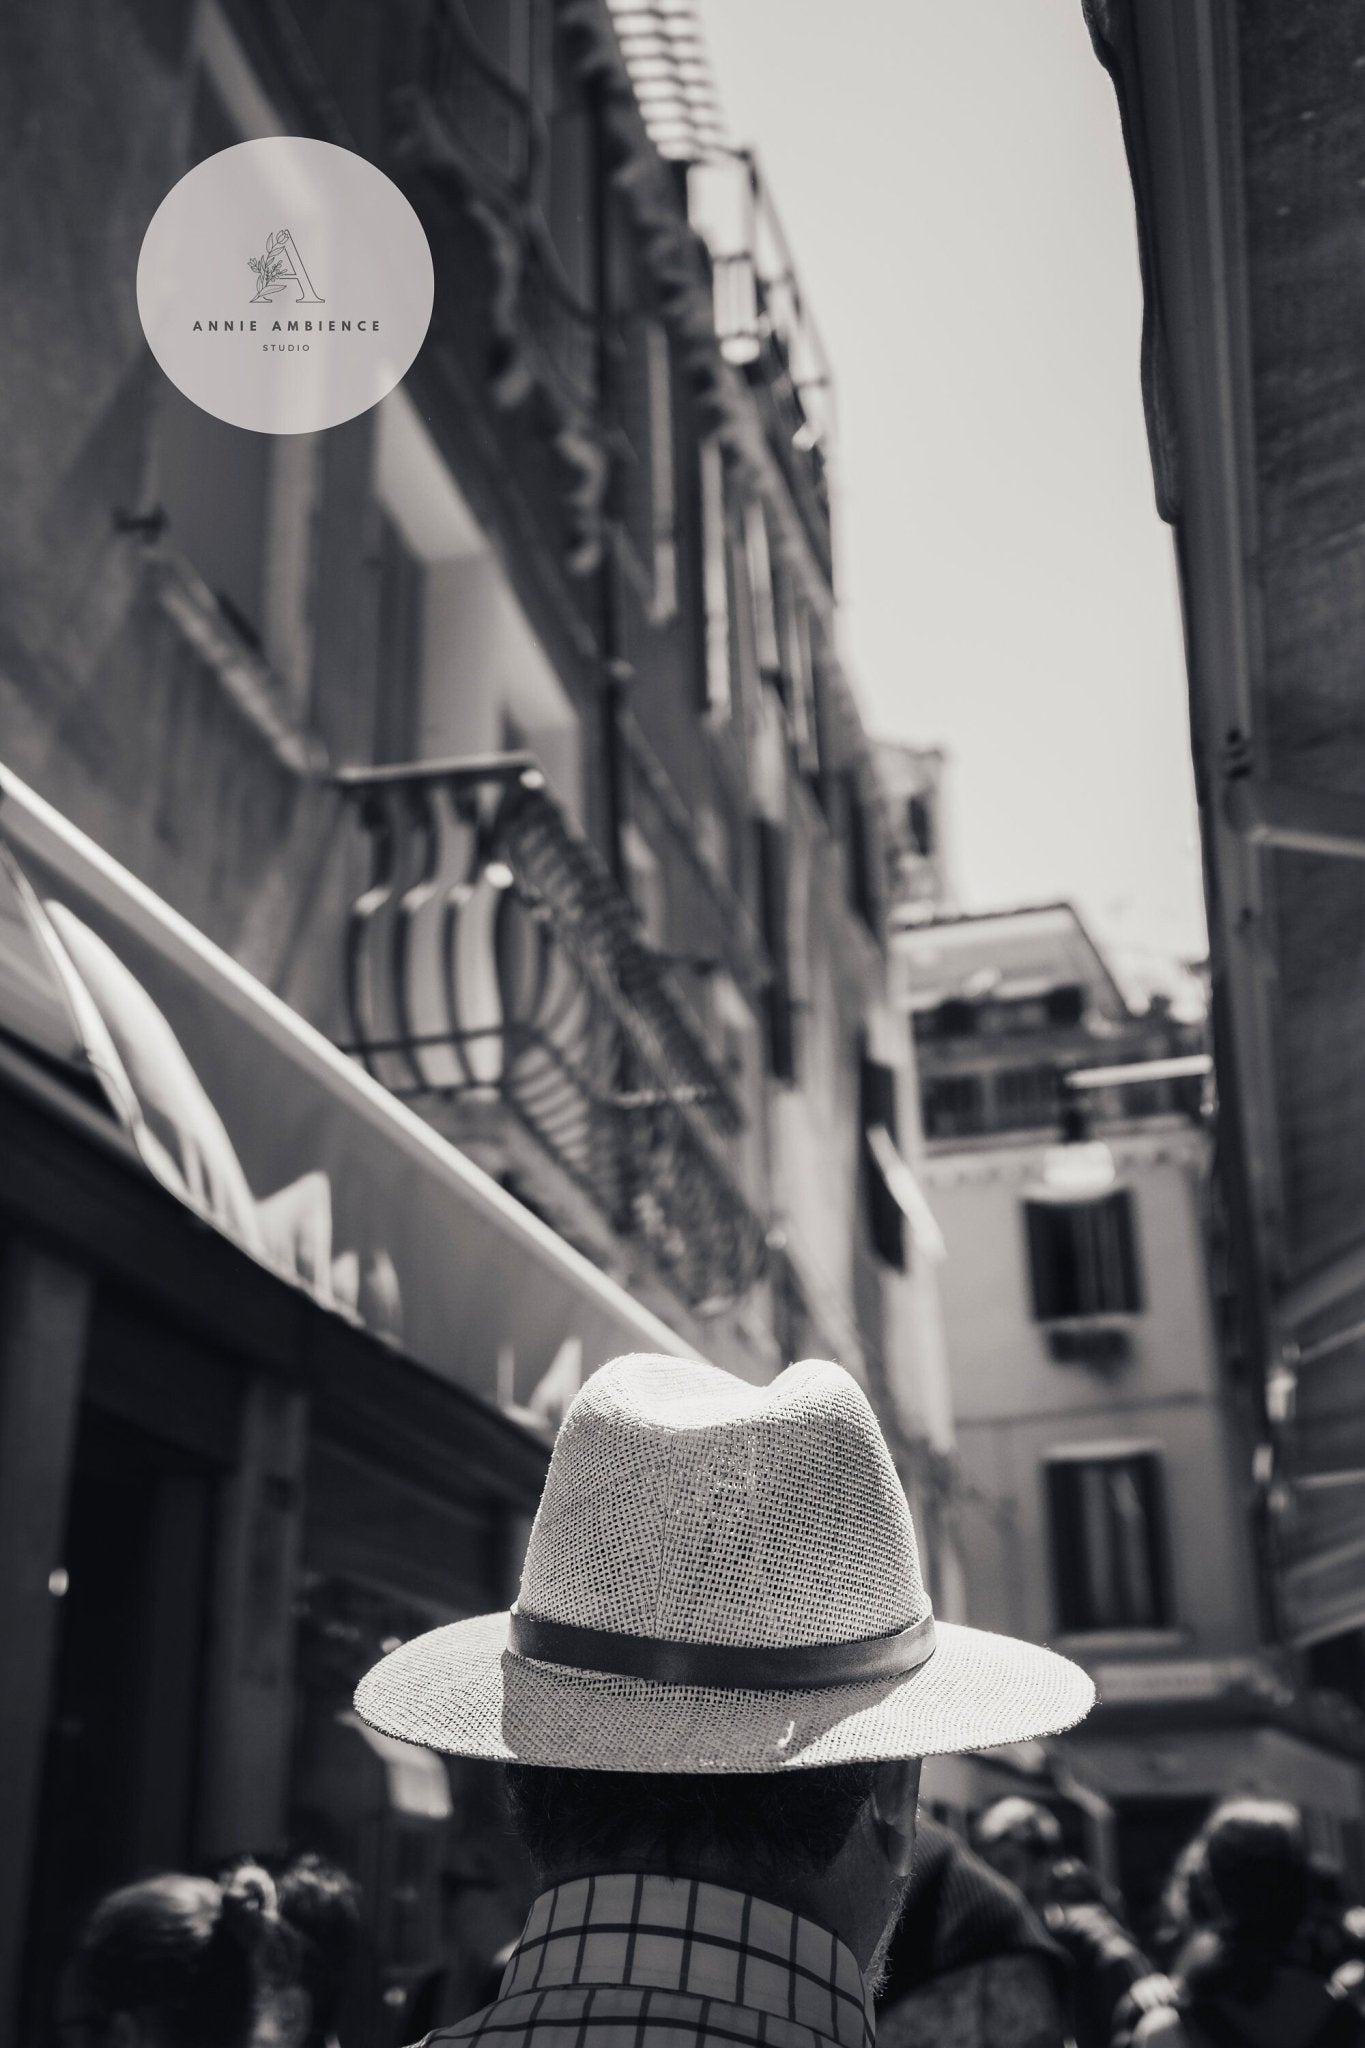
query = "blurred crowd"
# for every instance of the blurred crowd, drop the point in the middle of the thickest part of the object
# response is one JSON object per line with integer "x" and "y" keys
{"x": 1006, "y": 1942}
{"x": 1012, "y": 1944}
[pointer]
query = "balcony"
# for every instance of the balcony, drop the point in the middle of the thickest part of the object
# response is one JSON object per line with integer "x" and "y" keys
{"x": 493, "y": 959}
{"x": 467, "y": 117}
{"x": 765, "y": 327}
{"x": 469, "y": 125}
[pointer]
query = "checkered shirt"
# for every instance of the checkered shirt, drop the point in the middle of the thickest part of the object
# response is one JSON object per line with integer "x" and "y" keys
{"x": 635, "y": 1961}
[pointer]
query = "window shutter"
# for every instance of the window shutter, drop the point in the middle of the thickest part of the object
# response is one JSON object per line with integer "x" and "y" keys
{"x": 877, "y": 1106}
{"x": 647, "y": 491}
{"x": 759, "y": 563}
{"x": 715, "y": 583}
{"x": 919, "y": 827}
{"x": 797, "y": 667}
{"x": 221, "y": 531}
{"x": 774, "y": 918}
{"x": 662, "y": 492}
{"x": 1107, "y": 1529}
{"x": 398, "y": 682}
{"x": 1083, "y": 1258}
{"x": 859, "y": 831}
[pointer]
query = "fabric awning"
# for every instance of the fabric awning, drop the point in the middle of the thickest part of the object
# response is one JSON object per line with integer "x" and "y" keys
{"x": 283, "y": 1143}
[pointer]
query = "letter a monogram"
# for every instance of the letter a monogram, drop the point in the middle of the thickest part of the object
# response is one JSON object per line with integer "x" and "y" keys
{"x": 281, "y": 266}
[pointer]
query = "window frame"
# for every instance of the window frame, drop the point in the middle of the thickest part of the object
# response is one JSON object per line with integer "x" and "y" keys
{"x": 272, "y": 639}
{"x": 1092, "y": 1298}
{"x": 1078, "y": 1612}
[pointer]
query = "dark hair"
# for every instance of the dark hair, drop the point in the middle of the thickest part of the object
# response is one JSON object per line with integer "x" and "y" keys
{"x": 190, "y": 1954}
{"x": 1255, "y": 1876}
{"x": 322, "y": 1904}
{"x": 1186, "y": 1904}
{"x": 756, "y": 1823}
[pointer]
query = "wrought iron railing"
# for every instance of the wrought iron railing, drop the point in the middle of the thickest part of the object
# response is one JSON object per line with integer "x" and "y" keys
{"x": 764, "y": 323}
{"x": 494, "y": 956}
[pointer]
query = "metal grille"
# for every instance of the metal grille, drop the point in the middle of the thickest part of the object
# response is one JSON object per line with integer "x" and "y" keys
{"x": 493, "y": 955}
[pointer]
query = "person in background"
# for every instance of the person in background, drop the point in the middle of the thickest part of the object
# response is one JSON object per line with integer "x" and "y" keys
{"x": 1022, "y": 1842}
{"x": 1238, "y": 1983}
{"x": 322, "y": 1905}
{"x": 1323, "y": 1940}
{"x": 971, "y": 1965}
{"x": 475, "y": 1948}
{"x": 1349, "y": 1977}
{"x": 1185, "y": 1904}
{"x": 184, "y": 1962}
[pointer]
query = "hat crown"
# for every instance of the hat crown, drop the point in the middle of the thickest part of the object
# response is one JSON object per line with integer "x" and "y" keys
{"x": 686, "y": 1504}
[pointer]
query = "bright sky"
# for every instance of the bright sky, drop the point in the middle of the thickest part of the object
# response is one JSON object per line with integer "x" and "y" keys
{"x": 952, "y": 180}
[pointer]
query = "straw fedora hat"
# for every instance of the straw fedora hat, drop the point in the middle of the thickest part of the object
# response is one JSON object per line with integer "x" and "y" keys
{"x": 720, "y": 1578}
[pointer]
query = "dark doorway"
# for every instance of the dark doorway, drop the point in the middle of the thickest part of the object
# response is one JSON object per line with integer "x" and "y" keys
{"x": 119, "y": 1773}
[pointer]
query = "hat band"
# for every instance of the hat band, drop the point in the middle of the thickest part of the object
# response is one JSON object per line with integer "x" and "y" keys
{"x": 723, "y": 1667}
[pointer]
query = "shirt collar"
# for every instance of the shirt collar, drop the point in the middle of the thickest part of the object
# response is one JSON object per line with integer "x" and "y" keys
{"x": 682, "y": 1934}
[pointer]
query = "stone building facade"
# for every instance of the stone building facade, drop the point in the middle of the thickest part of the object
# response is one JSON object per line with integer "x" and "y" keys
{"x": 1108, "y": 1499}
{"x": 443, "y": 928}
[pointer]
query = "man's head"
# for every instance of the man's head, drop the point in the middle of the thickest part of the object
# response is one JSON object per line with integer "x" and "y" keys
{"x": 323, "y": 1906}
{"x": 835, "y": 1843}
{"x": 722, "y": 1585}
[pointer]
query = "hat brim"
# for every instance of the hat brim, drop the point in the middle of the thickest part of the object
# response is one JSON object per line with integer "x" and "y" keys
{"x": 461, "y": 1690}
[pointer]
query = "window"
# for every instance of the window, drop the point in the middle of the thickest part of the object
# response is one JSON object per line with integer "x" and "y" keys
{"x": 220, "y": 532}
{"x": 1025, "y": 1098}
{"x": 956, "y": 1017}
{"x": 1066, "y": 1004}
{"x": 569, "y": 191}
{"x": 662, "y": 496}
{"x": 713, "y": 840}
{"x": 715, "y": 580}
{"x": 502, "y": 28}
{"x": 250, "y": 538}
{"x": 919, "y": 829}
{"x": 798, "y": 675}
{"x": 774, "y": 920}
{"x": 457, "y": 660}
{"x": 954, "y": 1106}
{"x": 1106, "y": 1518}
{"x": 398, "y": 683}
{"x": 249, "y": 534}
{"x": 645, "y": 882}
{"x": 859, "y": 829}
{"x": 1083, "y": 1257}
{"x": 648, "y": 507}
{"x": 758, "y": 560}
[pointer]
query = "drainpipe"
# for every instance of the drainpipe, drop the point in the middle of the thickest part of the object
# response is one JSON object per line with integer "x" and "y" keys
{"x": 615, "y": 671}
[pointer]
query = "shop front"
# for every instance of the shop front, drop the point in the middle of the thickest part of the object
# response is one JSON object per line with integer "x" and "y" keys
{"x": 254, "y": 1321}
